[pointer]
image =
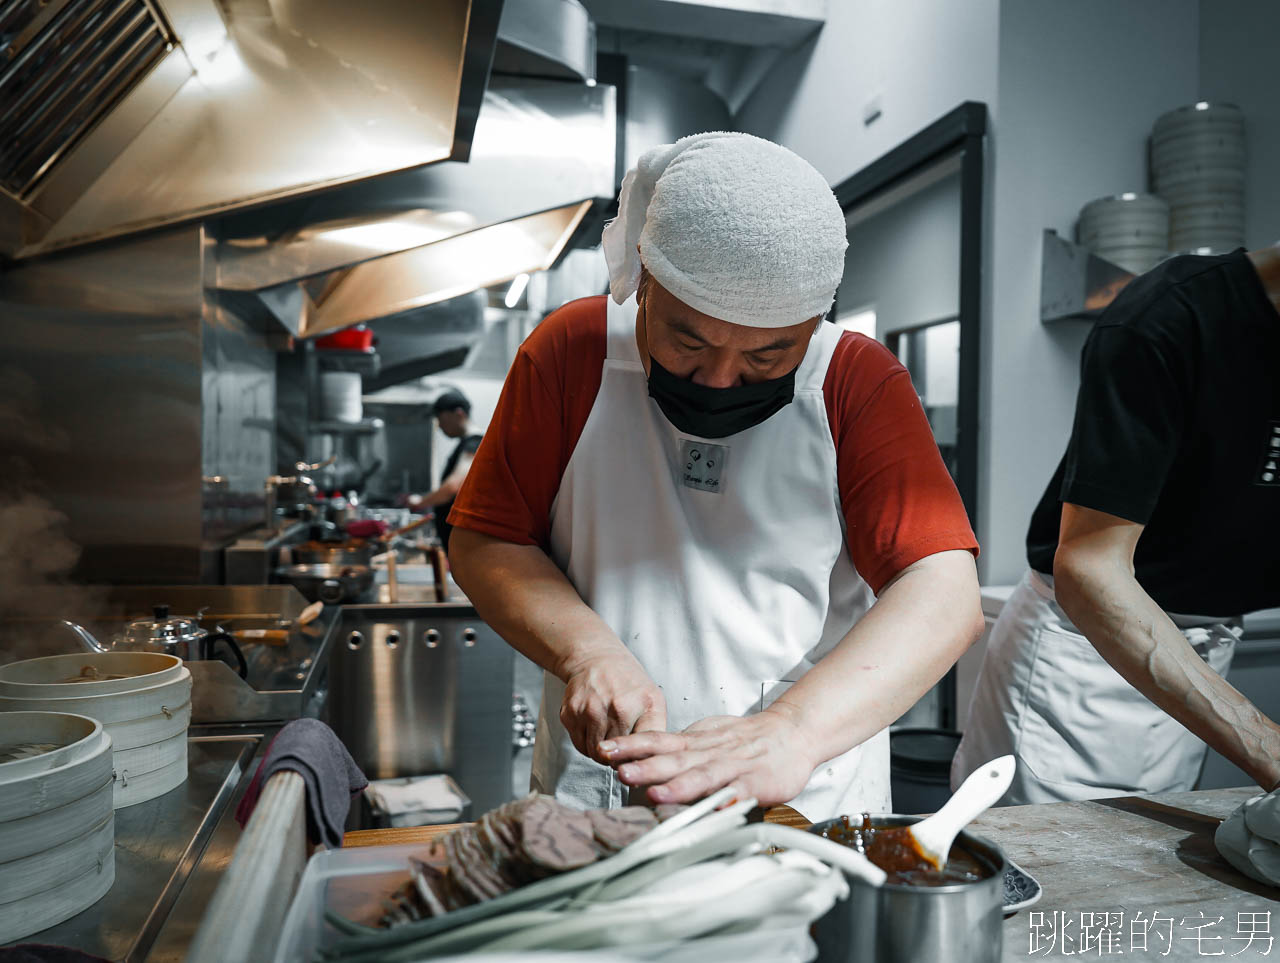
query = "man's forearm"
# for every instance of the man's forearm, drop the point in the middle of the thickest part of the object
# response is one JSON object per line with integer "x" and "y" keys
{"x": 1105, "y": 601}
{"x": 527, "y": 600}
{"x": 925, "y": 620}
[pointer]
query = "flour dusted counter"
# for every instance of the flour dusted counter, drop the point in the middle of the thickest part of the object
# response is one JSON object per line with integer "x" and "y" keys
{"x": 1139, "y": 872}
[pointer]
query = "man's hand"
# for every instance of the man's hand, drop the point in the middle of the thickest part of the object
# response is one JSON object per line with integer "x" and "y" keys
{"x": 762, "y": 755}
{"x": 607, "y": 696}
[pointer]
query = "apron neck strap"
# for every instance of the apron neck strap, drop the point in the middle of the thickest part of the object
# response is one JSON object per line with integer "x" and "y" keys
{"x": 620, "y": 329}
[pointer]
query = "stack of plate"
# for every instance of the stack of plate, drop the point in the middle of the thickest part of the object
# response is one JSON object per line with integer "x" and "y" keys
{"x": 142, "y": 699}
{"x": 340, "y": 396}
{"x": 1131, "y": 230}
{"x": 1197, "y": 165}
{"x": 57, "y": 828}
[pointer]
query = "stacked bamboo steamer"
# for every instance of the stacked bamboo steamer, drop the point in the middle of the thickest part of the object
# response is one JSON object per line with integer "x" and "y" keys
{"x": 142, "y": 699}
{"x": 1198, "y": 166}
{"x": 1131, "y": 230}
{"x": 57, "y": 824}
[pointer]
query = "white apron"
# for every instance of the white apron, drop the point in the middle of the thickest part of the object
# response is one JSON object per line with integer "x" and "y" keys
{"x": 720, "y": 563}
{"x": 1077, "y": 728}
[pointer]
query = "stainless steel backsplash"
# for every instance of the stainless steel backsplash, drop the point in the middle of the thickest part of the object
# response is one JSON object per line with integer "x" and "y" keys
{"x": 143, "y": 391}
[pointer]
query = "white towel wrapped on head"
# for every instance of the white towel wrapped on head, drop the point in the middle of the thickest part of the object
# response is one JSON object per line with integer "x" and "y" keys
{"x": 734, "y": 226}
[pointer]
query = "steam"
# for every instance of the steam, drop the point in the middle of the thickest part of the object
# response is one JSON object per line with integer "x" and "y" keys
{"x": 36, "y": 554}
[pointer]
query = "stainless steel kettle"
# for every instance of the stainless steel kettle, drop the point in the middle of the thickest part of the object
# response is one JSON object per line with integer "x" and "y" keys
{"x": 173, "y": 636}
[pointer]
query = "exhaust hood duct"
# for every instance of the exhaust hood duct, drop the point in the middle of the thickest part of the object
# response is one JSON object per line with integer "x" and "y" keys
{"x": 781, "y": 23}
{"x": 540, "y": 175}
{"x": 124, "y": 115}
{"x": 546, "y": 38}
{"x": 436, "y": 272}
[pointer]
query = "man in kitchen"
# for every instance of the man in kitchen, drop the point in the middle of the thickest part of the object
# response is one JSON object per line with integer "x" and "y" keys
{"x": 720, "y": 525}
{"x": 452, "y": 412}
{"x": 1166, "y": 501}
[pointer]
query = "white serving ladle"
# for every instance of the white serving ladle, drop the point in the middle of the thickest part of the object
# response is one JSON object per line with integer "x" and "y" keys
{"x": 984, "y": 786}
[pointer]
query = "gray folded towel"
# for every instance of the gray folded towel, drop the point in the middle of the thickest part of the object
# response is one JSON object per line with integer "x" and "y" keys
{"x": 311, "y": 749}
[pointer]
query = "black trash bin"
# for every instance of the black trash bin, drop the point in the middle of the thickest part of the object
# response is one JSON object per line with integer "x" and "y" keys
{"x": 920, "y": 768}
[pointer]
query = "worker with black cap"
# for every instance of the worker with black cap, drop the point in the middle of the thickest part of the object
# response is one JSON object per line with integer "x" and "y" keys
{"x": 453, "y": 414}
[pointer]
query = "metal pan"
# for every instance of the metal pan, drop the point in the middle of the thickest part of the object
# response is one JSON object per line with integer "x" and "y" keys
{"x": 333, "y": 584}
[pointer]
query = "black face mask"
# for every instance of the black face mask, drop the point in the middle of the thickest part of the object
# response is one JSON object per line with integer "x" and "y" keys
{"x": 717, "y": 412}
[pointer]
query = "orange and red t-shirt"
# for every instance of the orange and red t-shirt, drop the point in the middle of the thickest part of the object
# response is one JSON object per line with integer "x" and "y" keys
{"x": 899, "y": 502}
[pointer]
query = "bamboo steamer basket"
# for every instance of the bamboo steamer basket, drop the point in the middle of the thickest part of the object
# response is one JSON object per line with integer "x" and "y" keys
{"x": 150, "y": 771}
{"x": 143, "y": 699}
{"x": 57, "y": 824}
{"x": 45, "y": 782}
{"x": 58, "y": 864}
{"x": 39, "y": 911}
{"x": 29, "y": 834}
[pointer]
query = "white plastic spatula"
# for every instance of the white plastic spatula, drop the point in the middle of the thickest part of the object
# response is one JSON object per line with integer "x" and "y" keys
{"x": 987, "y": 784}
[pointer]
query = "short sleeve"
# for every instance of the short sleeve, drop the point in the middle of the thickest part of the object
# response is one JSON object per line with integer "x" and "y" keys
{"x": 545, "y": 401}
{"x": 1128, "y": 424}
{"x": 898, "y": 499}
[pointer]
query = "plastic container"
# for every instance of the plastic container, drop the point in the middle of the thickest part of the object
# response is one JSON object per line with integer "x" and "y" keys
{"x": 358, "y": 337}
{"x": 320, "y": 888}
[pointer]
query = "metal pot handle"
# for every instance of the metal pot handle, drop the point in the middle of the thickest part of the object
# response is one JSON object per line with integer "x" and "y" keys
{"x": 213, "y": 638}
{"x": 331, "y": 590}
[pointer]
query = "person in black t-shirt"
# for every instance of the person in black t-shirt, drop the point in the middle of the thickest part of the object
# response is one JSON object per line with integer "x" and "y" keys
{"x": 453, "y": 414}
{"x": 1167, "y": 501}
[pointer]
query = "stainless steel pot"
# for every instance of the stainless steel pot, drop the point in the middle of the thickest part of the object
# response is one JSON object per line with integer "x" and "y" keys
{"x": 326, "y": 582}
{"x": 958, "y": 923}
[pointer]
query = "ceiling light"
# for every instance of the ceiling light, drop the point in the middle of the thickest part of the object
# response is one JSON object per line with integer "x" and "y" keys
{"x": 516, "y": 289}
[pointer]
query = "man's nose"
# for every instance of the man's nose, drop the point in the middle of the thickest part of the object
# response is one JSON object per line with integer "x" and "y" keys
{"x": 718, "y": 373}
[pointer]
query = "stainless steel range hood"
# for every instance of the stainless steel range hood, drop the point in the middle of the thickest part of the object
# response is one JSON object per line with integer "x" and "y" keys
{"x": 542, "y": 164}
{"x": 123, "y": 115}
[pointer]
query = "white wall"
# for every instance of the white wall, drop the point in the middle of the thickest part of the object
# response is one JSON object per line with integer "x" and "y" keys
{"x": 1079, "y": 87}
{"x": 1238, "y": 40}
{"x": 1072, "y": 89}
{"x": 921, "y": 57}
{"x": 906, "y": 260}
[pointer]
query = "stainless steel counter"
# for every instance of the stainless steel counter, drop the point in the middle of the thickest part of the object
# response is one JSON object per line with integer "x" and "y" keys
{"x": 158, "y": 846}
{"x": 440, "y": 700}
{"x": 284, "y": 681}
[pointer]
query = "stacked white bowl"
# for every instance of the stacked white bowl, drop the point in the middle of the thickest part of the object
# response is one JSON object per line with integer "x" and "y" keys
{"x": 1131, "y": 230}
{"x": 1197, "y": 165}
{"x": 340, "y": 393}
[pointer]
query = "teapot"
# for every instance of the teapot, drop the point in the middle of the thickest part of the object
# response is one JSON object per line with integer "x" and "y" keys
{"x": 172, "y": 636}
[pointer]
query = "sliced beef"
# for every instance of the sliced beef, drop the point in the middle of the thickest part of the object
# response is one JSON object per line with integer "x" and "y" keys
{"x": 616, "y": 828}
{"x": 555, "y": 836}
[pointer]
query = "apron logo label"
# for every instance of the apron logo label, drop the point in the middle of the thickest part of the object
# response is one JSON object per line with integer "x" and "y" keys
{"x": 702, "y": 466}
{"x": 1269, "y": 467}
